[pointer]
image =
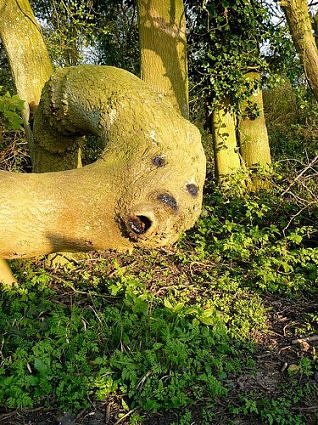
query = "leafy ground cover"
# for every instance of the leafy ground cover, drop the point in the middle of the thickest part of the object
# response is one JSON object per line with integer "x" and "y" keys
{"x": 221, "y": 329}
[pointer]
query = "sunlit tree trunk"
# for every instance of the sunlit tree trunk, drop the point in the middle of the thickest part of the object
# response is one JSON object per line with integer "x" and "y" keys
{"x": 144, "y": 190}
{"x": 299, "y": 22}
{"x": 254, "y": 143}
{"x": 162, "y": 32}
{"x": 227, "y": 159}
{"x": 28, "y": 57}
{"x": 315, "y": 27}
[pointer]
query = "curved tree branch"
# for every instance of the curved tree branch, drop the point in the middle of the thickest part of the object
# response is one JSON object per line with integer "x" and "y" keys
{"x": 144, "y": 190}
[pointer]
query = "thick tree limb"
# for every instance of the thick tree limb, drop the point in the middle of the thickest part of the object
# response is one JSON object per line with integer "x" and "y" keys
{"x": 144, "y": 190}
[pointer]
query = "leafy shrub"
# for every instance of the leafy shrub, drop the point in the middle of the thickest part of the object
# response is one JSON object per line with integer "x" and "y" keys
{"x": 10, "y": 111}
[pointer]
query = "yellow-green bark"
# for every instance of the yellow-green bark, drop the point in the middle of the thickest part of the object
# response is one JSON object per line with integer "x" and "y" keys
{"x": 162, "y": 33}
{"x": 227, "y": 160}
{"x": 28, "y": 57}
{"x": 299, "y": 22}
{"x": 144, "y": 190}
{"x": 254, "y": 143}
{"x": 30, "y": 66}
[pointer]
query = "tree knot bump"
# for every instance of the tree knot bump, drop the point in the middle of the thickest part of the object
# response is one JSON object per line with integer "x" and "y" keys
{"x": 159, "y": 161}
{"x": 168, "y": 200}
{"x": 192, "y": 189}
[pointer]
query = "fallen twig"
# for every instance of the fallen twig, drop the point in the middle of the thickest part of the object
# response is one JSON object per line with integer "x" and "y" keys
{"x": 306, "y": 339}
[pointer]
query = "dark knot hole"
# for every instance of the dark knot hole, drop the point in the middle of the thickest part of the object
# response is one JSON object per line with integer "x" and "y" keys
{"x": 139, "y": 224}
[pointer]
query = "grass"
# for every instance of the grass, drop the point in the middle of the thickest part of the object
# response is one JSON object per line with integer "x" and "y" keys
{"x": 202, "y": 333}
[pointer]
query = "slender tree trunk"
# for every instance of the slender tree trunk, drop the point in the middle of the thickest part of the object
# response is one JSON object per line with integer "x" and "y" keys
{"x": 162, "y": 32}
{"x": 28, "y": 57}
{"x": 254, "y": 143}
{"x": 299, "y": 22}
{"x": 227, "y": 160}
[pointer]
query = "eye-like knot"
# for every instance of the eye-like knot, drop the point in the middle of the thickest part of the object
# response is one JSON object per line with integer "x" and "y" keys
{"x": 192, "y": 189}
{"x": 169, "y": 200}
{"x": 159, "y": 161}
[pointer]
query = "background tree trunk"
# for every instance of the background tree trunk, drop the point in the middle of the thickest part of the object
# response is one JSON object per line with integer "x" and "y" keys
{"x": 227, "y": 159}
{"x": 162, "y": 32}
{"x": 28, "y": 57}
{"x": 254, "y": 143}
{"x": 299, "y": 22}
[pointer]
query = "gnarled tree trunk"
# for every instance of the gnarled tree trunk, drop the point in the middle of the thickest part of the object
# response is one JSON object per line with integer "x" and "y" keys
{"x": 144, "y": 190}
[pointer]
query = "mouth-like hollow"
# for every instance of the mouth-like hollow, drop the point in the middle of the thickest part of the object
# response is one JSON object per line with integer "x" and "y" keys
{"x": 135, "y": 226}
{"x": 139, "y": 224}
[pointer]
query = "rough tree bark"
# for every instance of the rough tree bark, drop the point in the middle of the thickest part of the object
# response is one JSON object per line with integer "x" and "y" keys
{"x": 226, "y": 152}
{"x": 144, "y": 190}
{"x": 254, "y": 143}
{"x": 30, "y": 66}
{"x": 299, "y": 22}
{"x": 162, "y": 33}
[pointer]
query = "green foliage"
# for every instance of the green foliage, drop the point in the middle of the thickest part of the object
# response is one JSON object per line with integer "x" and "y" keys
{"x": 70, "y": 27}
{"x": 103, "y": 32}
{"x": 291, "y": 118}
{"x": 276, "y": 411}
{"x": 251, "y": 234}
{"x": 225, "y": 45}
{"x": 60, "y": 353}
{"x": 10, "y": 111}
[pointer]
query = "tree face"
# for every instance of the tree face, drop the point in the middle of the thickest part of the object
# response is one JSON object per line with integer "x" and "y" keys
{"x": 164, "y": 195}
{"x": 144, "y": 190}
